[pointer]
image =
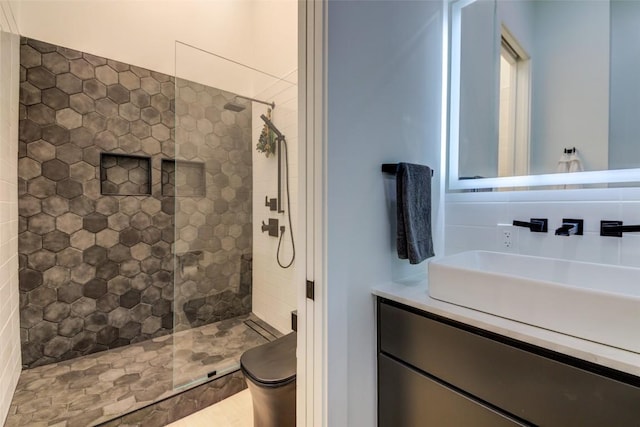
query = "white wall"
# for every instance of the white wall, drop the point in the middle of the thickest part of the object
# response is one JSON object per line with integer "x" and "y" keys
{"x": 383, "y": 105}
{"x": 10, "y": 360}
{"x": 570, "y": 70}
{"x": 274, "y": 289}
{"x": 258, "y": 33}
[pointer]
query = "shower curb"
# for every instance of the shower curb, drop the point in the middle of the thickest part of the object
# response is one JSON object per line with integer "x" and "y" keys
{"x": 178, "y": 406}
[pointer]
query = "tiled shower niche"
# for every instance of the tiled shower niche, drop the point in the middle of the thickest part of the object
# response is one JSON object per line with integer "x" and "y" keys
{"x": 191, "y": 178}
{"x": 96, "y": 261}
{"x": 123, "y": 175}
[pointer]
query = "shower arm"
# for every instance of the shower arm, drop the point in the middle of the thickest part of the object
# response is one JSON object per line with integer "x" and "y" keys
{"x": 279, "y": 139}
{"x": 270, "y": 104}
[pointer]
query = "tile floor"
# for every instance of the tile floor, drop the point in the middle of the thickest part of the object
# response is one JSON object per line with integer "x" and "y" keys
{"x": 234, "y": 411}
{"x": 99, "y": 387}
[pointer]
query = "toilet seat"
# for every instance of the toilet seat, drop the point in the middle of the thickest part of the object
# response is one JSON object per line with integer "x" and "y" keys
{"x": 272, "y": 364}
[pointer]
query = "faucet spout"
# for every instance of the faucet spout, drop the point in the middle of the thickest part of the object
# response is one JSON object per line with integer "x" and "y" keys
{"x": 567, "y": 230}
{"x": 570, "y": 227}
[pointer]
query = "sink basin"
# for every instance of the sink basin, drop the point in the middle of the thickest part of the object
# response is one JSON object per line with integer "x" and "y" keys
{"x": 596, "y": 302}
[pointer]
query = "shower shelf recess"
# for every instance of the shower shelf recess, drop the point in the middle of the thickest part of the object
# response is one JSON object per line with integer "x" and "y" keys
{"x": 125, "y": 175}
{"x": 191, "y": 177}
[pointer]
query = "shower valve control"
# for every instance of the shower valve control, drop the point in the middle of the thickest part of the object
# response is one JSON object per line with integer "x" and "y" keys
{"x": 272, "y": 204}
{"x": 271, "y": 227}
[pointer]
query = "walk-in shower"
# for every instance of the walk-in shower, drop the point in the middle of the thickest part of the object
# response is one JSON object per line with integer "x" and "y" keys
{"x": 143, "y": 273}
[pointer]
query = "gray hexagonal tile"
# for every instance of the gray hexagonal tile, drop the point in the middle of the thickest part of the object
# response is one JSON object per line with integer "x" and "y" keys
{"x": 55, "y": 63}
{"x": 28, "y": 168}
{"x": 29, "y": 57}
{"x": 69, "y": 188}
{"x": 68, "y": 153}
{"x": 141, "y": 251}
{"x": 68, "y": 118}
{"x": 56, "y": 276}
{"x": 82, "y": 239}
{"x": 41, "y": 187}
{"x": 41, "y": 150}
{"x": 55, "y": 241}
{"x": 81, "y": 69}
{"x": 70, "y": 327}
{"x": 94, "y": 88}
{"x": 69, "y": 223}
{"x": 118, "y": 93}
{"x": 55, "y": 205}
{"x": 68, "y": 83}
{"x": 82, "y": 172}
{"x": 81, "y": 103}
{"x": 29, "y": 279}
{"x": 129, "y": 111}
{"x": 129, "y": 80}
{"x": 29, "y": 131}
{"x": 118, "y": 126}
{"x": 107, "y": 238}
{"x": 41, "y": 223}
{"x": 41, "y": 78}
{"x": 56, "y": 311}
{"x": 29, "y": 94}
{"x": 55, "y": 134}
{"x": 69, "y": 257}
{"x": 107, "y": 107}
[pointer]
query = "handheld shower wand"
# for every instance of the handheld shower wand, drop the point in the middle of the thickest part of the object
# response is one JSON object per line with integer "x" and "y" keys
{"x": 272, "y": 126}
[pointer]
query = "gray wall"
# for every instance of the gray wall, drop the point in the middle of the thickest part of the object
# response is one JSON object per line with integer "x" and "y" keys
{"x": 96, "y": 271}
{"x": 478, "y": 141}
{"x": 570, "y": 81}
{"x": 624, "y": 126}
{"x": 384, "y": 99}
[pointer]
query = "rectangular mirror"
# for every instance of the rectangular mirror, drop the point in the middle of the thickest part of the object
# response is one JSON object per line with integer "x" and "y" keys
{"x": 543, "y": 93}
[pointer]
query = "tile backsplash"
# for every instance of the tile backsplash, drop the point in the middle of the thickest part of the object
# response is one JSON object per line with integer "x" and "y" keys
{"x": 472, "y": 223}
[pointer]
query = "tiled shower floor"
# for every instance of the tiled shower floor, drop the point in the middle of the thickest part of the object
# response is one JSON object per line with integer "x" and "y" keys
{"x": 99, "y": 387}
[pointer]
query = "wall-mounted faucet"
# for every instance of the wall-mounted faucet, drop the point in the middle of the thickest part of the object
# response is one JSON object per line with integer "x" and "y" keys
{"x": 615, "y": 228}
{"x": 271, "y": 227}
{"x": 537, "y": 225}
{"x": 570, "y": 226}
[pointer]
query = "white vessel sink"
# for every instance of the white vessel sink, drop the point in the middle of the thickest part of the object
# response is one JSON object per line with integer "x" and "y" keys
{"x": 596, "y": 302}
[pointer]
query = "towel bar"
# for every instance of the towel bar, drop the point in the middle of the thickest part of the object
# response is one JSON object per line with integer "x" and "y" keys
{"x": 392, "y": 168}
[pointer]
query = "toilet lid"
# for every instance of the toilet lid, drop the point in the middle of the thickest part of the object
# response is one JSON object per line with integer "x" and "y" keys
{"x": 273, "y": 363}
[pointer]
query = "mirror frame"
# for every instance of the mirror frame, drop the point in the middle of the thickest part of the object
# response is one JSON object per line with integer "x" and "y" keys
{"x": 454, "y": 8}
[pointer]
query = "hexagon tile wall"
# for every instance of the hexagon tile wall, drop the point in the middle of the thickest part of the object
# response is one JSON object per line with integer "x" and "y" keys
{"x": 96, "y": 267}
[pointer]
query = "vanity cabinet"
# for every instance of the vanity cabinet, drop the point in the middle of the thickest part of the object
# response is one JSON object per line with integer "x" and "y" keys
{"x": 436, "y": 372}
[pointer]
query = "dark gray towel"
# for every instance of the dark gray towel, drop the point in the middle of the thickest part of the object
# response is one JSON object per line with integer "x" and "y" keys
{"x": 413, "y": 185}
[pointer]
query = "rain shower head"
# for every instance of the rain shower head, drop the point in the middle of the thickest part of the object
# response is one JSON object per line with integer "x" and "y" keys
{"x": 234, "y": 106}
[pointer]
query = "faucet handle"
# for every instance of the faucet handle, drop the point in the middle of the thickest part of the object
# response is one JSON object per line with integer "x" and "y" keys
{"x": 536, "y": 225}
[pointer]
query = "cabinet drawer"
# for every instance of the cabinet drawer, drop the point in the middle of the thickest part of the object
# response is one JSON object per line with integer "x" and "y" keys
{"x": 410, "y": 399}
{"x": 530, "y": 386}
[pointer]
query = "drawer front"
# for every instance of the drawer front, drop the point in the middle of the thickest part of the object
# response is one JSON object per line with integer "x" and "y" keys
{"x": 530, "y": 386}
{"x": 410, "y": 399}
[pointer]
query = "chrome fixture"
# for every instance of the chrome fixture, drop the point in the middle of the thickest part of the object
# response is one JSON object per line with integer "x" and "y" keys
{"x": 570, "y": 226}
{"x": 615, "y": 228}
{"x": 537, "y": 225}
